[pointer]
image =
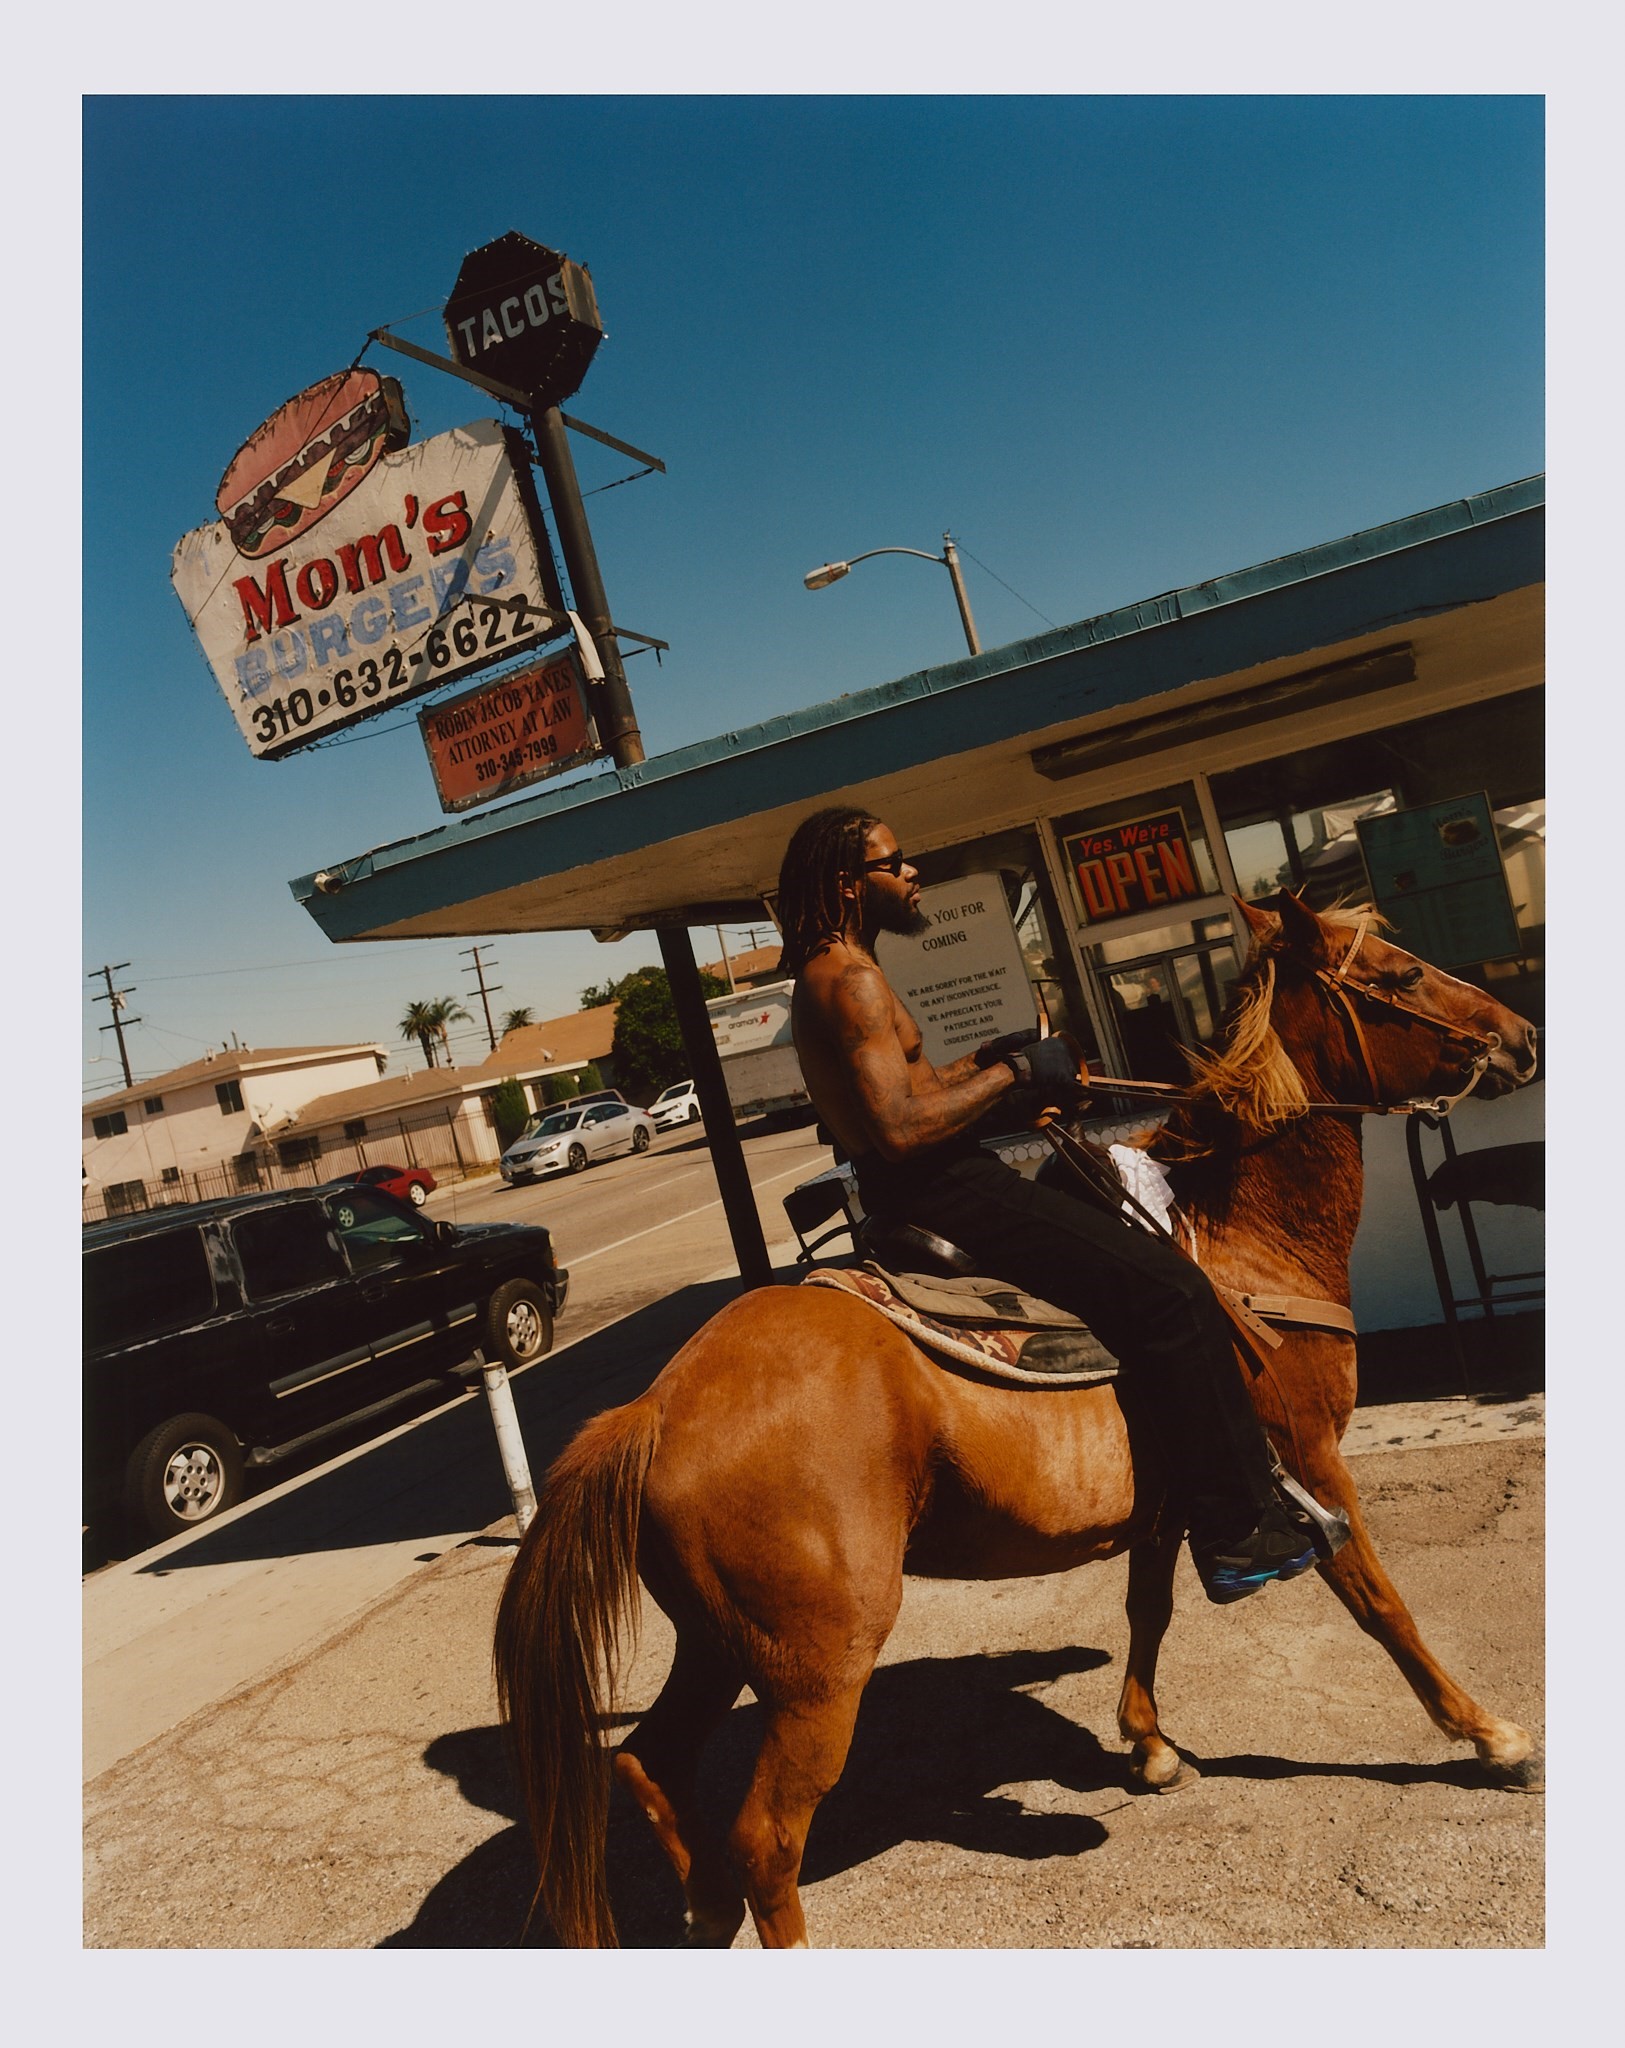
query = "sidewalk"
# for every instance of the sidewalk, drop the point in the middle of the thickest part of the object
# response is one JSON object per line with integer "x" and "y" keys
{"x": 355, "y": 1794}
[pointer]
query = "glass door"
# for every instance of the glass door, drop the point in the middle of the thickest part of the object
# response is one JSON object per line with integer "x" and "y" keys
{"x": 1165, "y": 1000}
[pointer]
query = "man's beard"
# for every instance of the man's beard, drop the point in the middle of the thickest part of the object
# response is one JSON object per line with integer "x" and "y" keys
{"x": 896, "y": 914}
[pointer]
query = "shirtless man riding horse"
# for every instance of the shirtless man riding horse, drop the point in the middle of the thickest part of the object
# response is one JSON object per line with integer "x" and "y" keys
{"x": 909, "y": 1130}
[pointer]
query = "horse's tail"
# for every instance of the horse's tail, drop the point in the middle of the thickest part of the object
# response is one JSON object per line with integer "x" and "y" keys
{"x": 569, "y": 1599}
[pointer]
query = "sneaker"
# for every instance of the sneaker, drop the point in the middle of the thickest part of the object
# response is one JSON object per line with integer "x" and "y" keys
{"x": 1279, "y": 1548}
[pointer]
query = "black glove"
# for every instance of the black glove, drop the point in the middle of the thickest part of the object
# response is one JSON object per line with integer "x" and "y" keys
{"x": 998, "y": 1049}
{"x": 1047, "y": 1064}
{"x": 1046, "y": 1079}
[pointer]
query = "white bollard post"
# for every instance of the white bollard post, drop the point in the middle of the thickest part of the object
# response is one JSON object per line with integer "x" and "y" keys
{"x": 510, "y": 1444}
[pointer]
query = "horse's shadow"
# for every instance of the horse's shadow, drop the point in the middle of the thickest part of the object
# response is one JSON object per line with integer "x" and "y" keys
{"x": 936, "y": 1740}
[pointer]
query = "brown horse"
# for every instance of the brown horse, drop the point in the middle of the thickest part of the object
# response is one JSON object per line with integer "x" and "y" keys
{"x": 800, "y": 1455}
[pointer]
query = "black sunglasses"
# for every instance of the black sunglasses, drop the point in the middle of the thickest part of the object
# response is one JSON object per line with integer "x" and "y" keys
{"x": 894, "y": 863}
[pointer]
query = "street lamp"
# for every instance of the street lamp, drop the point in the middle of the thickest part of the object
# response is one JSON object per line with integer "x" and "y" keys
{"x": 832, "y": 572}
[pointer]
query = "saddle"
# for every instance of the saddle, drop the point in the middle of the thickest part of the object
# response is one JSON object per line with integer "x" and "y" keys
{"x": 992, "y": 1327}
{"x": 965, "y": 1319}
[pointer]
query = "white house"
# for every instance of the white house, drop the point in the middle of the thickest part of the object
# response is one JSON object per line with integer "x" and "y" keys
{"x": 205, "y": 1118}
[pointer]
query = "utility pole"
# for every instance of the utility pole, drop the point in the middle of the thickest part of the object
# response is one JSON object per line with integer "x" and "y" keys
{"x": 116, "y": 996}
{"x": 485, "y": 993}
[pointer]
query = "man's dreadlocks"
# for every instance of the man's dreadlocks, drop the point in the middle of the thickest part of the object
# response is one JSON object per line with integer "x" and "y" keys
{"x": 822, "y": 849}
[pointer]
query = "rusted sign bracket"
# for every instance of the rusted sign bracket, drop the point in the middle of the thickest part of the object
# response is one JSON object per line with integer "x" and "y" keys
{"x": 520, "y": 400}
{"x": 621, "y": 447}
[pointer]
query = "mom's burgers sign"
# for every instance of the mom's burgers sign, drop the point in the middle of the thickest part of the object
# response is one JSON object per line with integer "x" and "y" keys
{"x": 350, "y": 569}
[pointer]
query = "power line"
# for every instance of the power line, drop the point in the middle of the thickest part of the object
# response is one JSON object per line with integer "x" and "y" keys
{"x": 1016, "y": 594}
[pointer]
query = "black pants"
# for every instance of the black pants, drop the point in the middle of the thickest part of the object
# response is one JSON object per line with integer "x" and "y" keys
{"x": 1151, "y": 1307}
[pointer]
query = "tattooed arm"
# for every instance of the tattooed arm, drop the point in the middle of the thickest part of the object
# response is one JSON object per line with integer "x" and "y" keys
{"x": 870, "y": 1048}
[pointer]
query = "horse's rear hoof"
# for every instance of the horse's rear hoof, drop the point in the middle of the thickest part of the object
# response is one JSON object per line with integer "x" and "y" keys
{"x": 1528, "y": 1776}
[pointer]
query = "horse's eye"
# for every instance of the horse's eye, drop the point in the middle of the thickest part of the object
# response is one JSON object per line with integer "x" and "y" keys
{"x": 1412, "y": 977}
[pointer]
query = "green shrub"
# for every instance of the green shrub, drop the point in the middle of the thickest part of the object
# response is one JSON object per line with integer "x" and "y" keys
{"x": 511, "y": 1110}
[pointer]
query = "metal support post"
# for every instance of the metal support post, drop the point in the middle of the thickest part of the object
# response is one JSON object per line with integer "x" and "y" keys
{"x": 727, "y": 1154}
{"x": 510, "y": 1443}
{"x": 617, "y": 721}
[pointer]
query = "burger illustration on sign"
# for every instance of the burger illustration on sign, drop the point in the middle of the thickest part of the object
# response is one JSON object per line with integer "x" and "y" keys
{"x": 308, "y": 457}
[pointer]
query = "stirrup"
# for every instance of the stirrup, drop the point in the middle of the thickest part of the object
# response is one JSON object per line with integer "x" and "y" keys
{"x": 1327, "y": 1528}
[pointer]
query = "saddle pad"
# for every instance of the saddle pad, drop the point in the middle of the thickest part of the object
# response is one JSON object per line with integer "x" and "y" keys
{"x": 967, "y": 1298}
{"x": 1060, "y": 1354}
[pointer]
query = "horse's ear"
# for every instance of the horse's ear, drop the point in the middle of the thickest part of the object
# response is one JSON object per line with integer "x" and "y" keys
{"x": 1259, "y": 923}
{"x": 1302, "y": 931}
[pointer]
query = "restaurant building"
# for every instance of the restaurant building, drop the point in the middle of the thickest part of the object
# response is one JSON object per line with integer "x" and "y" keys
{"x": 1362, "y": 718}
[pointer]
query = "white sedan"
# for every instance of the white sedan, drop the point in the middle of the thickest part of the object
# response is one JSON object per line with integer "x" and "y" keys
{"x": 565, "y": 1140}
{"x": 678, "y": 1104}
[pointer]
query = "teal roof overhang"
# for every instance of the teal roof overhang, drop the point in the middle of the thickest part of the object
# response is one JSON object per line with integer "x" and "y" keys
{"x": 695, "y": 836}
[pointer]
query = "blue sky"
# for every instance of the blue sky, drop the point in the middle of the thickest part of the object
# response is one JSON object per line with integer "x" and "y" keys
{"x": 1115, "y": 345}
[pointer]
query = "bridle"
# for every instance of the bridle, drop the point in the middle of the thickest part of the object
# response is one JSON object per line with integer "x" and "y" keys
{"x": 1342, "y": 989}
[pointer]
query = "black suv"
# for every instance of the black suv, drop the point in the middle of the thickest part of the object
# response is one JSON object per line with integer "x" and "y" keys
{"x": 228, "y": 1334}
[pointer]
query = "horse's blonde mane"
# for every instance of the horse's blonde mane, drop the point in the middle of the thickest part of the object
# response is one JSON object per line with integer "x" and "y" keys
{"x": 1250, "y": 1075}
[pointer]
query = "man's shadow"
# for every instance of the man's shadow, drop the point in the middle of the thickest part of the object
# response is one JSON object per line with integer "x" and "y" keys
{"x": 935, "y": 1739}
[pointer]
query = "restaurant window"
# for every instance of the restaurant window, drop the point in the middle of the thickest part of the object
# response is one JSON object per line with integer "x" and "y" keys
{"x": 1293, "y": 820}
{"x": 1154, "y": 926}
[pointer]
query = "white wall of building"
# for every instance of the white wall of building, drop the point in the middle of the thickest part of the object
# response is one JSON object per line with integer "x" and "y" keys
{"x": 192, "y": 1132}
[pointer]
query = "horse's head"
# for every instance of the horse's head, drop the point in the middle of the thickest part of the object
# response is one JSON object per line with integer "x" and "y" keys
{"x": 1370, "y": 1024}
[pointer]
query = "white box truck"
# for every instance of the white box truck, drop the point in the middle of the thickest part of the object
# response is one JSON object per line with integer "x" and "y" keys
{"x": 752, "y": 1031}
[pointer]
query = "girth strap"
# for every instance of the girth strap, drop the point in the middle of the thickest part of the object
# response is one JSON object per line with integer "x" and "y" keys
{"x": 1300, "y": 1311}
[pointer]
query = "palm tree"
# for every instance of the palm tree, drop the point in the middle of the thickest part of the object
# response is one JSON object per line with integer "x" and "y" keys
{"x": 514, "y": 1019}
{"x": 421, "y": 1023}
{"x": 442, "y": 1011}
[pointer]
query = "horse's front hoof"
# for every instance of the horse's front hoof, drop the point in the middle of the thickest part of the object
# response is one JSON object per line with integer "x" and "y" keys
{"x": 1527, "y": 1776}
{"x": 1164, "y": 1770}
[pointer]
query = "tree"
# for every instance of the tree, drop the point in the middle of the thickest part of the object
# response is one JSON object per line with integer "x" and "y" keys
{"x": 446, "y": 1010}
{"x": 420, "y": 1024}
{"x": 560, "y": 1087}
{"x": 648, "y": 1043}
{"x": 427, "y": 1022}
{"x": 511, "y": 1111}
{"x": 514, "y": 1020}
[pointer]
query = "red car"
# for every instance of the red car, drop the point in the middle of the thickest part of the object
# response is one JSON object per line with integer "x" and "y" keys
{"x": 412, "y": 1184}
